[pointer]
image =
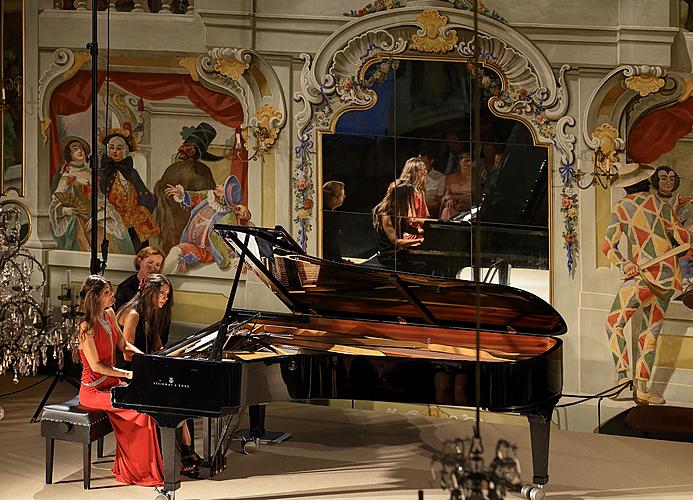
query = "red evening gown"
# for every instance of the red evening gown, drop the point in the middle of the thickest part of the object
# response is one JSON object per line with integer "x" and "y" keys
{"x": 138, "y": 457}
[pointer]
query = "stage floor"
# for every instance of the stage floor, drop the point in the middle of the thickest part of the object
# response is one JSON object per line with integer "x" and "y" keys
{"x": 337, "y": 453}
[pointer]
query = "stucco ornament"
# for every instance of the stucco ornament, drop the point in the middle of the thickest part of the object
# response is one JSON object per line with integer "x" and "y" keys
{"x": 645, "y": 80}
{"x": 610, "y": 143}
{"x": 434, "y": 35}
{"x": 266, "y": 119}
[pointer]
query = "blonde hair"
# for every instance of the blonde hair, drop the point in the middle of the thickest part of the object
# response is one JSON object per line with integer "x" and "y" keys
{"x": 410, "y": 173}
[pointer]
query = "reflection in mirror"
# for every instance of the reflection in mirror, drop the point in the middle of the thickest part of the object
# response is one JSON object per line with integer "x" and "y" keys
{"x": 404, "y": 172}
{"x": 11, "y": 100}
{"x": 24, "y": 217}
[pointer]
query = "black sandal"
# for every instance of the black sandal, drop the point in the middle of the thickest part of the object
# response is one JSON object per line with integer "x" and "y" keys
{"x": 189, "y": 468}
{"x": 189, "y": 452}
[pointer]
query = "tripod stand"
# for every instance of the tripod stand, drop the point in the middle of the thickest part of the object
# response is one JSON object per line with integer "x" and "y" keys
{"x": 70, "y": 315}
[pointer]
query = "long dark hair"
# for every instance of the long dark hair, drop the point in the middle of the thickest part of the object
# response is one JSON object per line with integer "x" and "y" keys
{"x": 153, "y": 319}
{"x": 89, "y": 305}
{"x": 398, "y": 203}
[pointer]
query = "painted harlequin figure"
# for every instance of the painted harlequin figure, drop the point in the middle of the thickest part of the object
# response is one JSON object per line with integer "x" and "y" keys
{"x": 198, "y": 243}
{"x": 124, "y": 187}
{"x": 650, "y": 226}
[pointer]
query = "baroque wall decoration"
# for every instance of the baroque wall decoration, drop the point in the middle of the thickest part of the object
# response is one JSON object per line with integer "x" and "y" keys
{"x": 337, "y": 79}
{"x": 381, "y": 5}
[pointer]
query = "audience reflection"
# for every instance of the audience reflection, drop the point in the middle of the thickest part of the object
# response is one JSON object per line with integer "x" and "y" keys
{"x": 458, "y": 189}
{"x": 334, "y": 194}
{"x": 435, "y": 183}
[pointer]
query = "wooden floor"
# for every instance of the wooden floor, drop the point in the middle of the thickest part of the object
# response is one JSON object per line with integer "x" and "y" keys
{"x": 339, "y": 453}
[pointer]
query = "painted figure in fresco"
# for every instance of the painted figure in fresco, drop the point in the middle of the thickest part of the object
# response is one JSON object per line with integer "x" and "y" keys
{"x": 666, "y": 181}
{"x": 70, "y": 207}
{"x": 650, "y": 225}
{"x": 199, "y": 244}
{"x": 190, "y": 173}
{"x": 124, "y": 188}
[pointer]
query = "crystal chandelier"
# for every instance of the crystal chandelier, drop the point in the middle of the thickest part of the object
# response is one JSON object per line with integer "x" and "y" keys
{"x": 27, "y": 329}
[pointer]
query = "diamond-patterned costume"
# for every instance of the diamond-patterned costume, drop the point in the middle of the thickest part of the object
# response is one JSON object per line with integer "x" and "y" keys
{"x": 650, "y": 225}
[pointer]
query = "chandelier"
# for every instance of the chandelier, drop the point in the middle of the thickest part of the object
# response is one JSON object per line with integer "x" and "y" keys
{"x": 460, "y": 469}
{"x": 27, "y": 328}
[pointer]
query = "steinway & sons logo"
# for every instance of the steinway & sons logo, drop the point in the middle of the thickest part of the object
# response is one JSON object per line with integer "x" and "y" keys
{"x": 171, "y": 383}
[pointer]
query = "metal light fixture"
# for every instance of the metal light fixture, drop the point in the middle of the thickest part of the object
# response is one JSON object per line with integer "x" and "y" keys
{"x": 604, "y": 171}
{"x": 262, "y": 142}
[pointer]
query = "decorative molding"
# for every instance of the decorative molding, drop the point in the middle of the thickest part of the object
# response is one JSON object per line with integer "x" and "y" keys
{"x": 232, "y": 68}
{"x": 644, "y": 80}
{"x": 269, "y": 118}
{"x": 513, "y": 64}
{"x": 348, "y": 63}
{"x": 434, "y": 35}
{"x": 606, "y": 137}
{"x": 211, "y": 78}
{"x": 190, "y": 63}
{"x": 64, "y": 66}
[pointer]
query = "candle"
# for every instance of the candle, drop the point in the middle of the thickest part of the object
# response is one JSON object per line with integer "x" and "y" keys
{"x": 68, "y": 280}
{"x": 46, "y": 304}
{"x": 238, "y": 142}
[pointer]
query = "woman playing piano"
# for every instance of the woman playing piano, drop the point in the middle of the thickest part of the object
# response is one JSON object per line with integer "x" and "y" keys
{"x": 142, "y": 319}
{"x": 138, "y": 457}
{"x": 392, "y": 219}
{"x": 414, "y": 173}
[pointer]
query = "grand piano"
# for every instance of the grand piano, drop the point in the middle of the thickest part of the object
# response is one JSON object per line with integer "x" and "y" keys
{"x": 352, "y": 333}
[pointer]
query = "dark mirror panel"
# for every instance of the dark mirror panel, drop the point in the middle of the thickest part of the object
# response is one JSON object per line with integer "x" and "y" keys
{"x": 406, "y": 168}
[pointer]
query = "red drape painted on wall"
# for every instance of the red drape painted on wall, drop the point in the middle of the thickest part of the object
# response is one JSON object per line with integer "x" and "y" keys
{"x": 658, "y": 132}
{"x": 74, "y": 96}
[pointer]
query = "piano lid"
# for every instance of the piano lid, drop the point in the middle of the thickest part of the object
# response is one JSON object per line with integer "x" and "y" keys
{"x": 309, "y": 285}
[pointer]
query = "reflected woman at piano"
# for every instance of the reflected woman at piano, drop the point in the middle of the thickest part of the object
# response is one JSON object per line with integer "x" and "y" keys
{"x": 415, "y": 172}
{"x": 393, "y": 220}
{"x": 138, "y": 458}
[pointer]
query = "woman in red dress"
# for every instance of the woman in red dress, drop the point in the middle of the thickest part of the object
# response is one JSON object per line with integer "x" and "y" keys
{"x": 414, "y": 172}
{"x": 138, "y": 457}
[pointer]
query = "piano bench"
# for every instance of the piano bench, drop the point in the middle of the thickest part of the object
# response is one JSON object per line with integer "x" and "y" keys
{"x": 69, "y": 421}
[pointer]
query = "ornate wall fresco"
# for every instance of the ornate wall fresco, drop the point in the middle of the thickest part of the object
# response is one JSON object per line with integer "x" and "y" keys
{"x": 162, "y": 181}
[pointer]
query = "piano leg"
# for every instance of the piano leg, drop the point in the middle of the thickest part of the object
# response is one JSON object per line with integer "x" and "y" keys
{"x": 171, "y": 457}
{"x": 540, "y": 432}
{"x": 256, "y": 415}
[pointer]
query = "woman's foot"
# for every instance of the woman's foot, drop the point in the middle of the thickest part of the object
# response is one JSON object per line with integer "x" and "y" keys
{"x": 189, "y": 468}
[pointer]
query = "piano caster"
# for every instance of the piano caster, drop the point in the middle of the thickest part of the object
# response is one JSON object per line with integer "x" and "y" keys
{"x": 162, "y": 494}
{"x": 533, "y": 492}
{"x": 250, "y": 446}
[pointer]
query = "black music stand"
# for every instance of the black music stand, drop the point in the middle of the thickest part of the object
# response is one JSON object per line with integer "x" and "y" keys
{"x": 60, "y": 375}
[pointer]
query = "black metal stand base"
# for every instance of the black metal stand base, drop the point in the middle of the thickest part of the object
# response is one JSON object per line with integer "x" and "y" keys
{"x": 269, "y": 437}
